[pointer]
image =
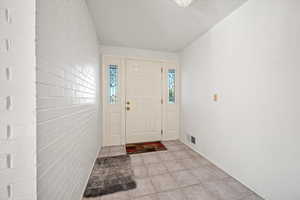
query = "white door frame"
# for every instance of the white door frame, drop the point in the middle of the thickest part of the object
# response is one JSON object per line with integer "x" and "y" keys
{"x": 113, "y": 116}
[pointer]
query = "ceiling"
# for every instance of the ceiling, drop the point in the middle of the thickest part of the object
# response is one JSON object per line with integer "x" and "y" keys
{"x": 156, "y": 24}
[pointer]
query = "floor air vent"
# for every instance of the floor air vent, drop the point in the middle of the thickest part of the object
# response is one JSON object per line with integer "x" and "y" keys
{"x": 193, "y": 140}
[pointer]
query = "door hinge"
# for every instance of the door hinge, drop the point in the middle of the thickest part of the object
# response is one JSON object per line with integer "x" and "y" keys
{"x": 162, "y": 70}
{"x": 162, "y": 101}
{"x": 162, "y": 132}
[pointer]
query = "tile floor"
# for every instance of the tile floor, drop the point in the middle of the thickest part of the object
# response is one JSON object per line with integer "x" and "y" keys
{"x": 177, "y": 174}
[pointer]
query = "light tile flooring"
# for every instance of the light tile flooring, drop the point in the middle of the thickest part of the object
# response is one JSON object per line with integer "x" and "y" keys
{"x": 177, "y": 174}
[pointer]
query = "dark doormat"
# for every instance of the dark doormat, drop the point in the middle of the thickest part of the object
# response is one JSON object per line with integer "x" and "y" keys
{"x": 144, "y": 147}
{"x": 110, "y": 175}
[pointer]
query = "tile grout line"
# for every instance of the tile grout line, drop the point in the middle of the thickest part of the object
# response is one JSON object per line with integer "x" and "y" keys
{"x": 178, "y": 187}
{"x": 167, "y": 171}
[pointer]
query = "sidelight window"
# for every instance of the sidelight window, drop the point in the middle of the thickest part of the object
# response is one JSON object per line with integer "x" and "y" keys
{"x": 113, "y": 71}
{"x": 171, "y": 85}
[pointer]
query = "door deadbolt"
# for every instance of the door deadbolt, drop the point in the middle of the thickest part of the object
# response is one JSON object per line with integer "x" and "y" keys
{"x": 127, "y": 108}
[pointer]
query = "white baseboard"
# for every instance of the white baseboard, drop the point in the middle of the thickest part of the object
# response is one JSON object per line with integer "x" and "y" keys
{"x": 203, "y": 155}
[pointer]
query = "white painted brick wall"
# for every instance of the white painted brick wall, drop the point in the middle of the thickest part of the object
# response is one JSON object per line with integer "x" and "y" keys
{"x": 67, "y": 98}
{"x": 17, "y": 100}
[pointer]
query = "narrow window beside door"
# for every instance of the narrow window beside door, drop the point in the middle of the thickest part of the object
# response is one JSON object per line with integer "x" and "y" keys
{"x": 113, "y": 83}
{"x": 171, "y": 85}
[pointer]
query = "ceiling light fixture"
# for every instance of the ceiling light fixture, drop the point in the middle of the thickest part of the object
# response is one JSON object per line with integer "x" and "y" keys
{"x": 183, "y": 3}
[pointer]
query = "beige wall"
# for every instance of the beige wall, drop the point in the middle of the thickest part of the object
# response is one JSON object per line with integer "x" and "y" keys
{"x": 251, "y": 60}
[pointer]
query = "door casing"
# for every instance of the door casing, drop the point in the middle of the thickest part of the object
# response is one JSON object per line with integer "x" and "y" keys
{"x": 114, "y": 115}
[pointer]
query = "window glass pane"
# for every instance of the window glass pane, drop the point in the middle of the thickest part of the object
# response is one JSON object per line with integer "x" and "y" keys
{"x": 113, "y": 83}
{"x": 171, "y": 85}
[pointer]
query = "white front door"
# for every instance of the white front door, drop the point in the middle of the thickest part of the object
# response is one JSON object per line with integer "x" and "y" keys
{"x": 143, "y": 101}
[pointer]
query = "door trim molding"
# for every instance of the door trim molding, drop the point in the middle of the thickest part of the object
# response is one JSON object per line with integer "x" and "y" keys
{"x": 108, "y": 139}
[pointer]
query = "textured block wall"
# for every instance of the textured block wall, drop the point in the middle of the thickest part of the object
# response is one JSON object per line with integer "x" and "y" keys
{"x": 67, "y": 98}
{"x": 17, "y": 100}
